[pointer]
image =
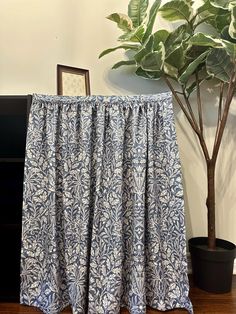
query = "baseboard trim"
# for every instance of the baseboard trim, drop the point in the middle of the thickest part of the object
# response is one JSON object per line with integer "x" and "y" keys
{"x": 190, "y": 265}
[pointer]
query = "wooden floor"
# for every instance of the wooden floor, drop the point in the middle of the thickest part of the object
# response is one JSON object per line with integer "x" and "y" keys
{"x": 203, "y": 303}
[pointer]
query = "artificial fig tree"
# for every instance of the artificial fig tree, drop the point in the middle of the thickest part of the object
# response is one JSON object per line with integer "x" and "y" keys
{"x": 186, "y": 58}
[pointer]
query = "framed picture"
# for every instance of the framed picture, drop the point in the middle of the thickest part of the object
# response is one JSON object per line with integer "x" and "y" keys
{"x": 72, "y": 81}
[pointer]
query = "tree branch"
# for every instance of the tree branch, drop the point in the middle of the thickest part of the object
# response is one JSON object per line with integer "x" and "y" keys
{"x": 199, "y": 103}
{"x": 190, "y": 109}
{"x": 229, "y": 97}
{"x": 219, "y": 112}
{"x": 181, "y": 104}
{"x": 189, "y": 118}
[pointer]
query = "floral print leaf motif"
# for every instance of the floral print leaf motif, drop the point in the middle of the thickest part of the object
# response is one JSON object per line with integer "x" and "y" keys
{"x": 103, "y": 220}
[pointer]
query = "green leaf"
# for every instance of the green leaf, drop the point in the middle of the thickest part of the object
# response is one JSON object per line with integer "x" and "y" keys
{"x": 170, "y": 70}
{"x": 214, "y": 16}
{"x": 149, "y": 43}
{"x": 223, "y": 4}
{"x": 137, "y": 11}
{"x": 230, "y": 48}
{"x": 201, "y": 39}
{"x": 177, "y": 38}
{"x": 203, "y": 7}
{"x": 225, "y": 35}
{"x": 221, "y": 21}
{"x": 135, "y": 36}
{"x": 219, "y": 65}
{"x": 177, "y": 57}
{"x": 206, "y": 7}
{"x": 176, "y": 10}
{"x": 232, "y": 26}
{"x": 124, "y": 62}
{"x": 140, "y": 55}
{"x": 190, "y": 2}
{"x": 122, "y": 21}
{"x": 159, "y": 36}
{"x": 151, "y": 20}
{"x": 154, "y": 61}
{"x": 145, "y": 50}
{"x": 149, "y": 75}
{"x": 154, "y": 40}
{"x": 126, "y": 47}
{"x": 152, "y": 44}
{"x": 191, "y": 68}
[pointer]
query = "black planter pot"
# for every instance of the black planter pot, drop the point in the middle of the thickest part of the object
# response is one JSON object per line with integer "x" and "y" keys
{"x": 212, "y": 270}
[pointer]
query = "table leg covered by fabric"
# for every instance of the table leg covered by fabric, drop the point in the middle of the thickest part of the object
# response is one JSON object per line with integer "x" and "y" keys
{"x": 103, "y": 211}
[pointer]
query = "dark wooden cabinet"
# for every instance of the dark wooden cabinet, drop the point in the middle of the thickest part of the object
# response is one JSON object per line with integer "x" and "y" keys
{"x": 14, "y": 112}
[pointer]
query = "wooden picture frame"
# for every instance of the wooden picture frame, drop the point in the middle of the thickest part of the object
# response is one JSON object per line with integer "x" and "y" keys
{"x": 72, "y": 81}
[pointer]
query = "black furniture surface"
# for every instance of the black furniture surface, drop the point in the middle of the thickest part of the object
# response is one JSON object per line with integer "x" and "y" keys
{"x": 14, "y": 112}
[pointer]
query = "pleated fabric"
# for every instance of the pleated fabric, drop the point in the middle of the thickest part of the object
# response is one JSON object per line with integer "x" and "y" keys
{"x": 103, "y": 212}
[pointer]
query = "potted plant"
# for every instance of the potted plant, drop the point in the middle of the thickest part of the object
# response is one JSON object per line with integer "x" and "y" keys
{"x": 185, "y": 59}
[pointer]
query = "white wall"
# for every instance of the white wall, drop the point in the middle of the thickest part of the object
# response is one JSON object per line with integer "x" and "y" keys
{"x": 36, "y": 35}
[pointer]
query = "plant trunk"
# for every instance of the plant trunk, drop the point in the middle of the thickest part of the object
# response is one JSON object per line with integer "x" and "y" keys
{"x": 210, "y": 203}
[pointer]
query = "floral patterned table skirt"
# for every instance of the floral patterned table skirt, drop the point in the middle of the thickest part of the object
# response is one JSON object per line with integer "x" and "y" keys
{"x": 103, "y": 219}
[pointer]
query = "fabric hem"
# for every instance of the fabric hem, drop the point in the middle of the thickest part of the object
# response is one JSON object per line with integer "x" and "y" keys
{"x": 188, "y": 308}
{"x": 43, "y": 309}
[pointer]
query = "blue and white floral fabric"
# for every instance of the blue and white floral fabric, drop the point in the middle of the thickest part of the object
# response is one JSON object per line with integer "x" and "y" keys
{"x": 103, "y": 213}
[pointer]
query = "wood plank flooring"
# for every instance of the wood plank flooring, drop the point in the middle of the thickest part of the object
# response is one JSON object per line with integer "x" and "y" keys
{"x": 203, "y": 303}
